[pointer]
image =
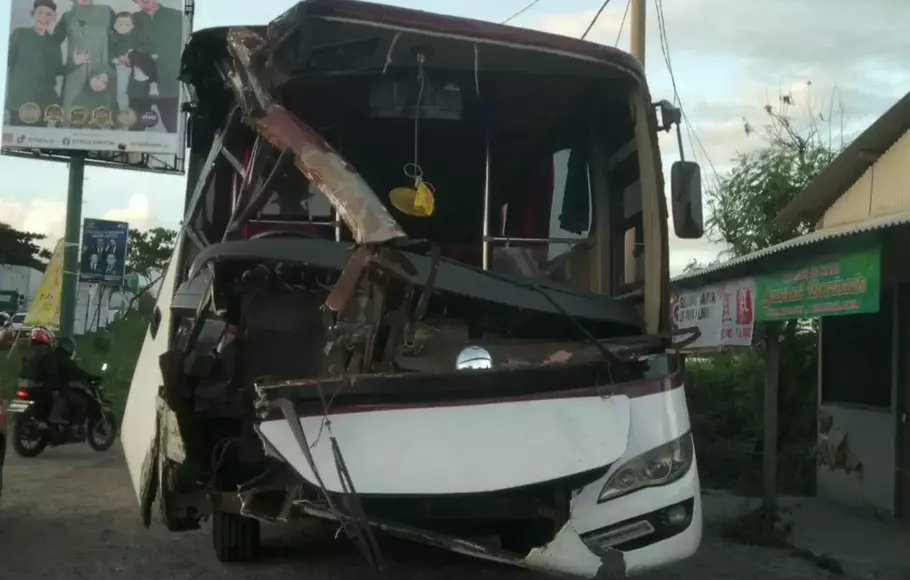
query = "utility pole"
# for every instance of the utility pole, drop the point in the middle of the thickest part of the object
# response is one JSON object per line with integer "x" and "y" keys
{"x": 70, "y": 288}
{"x": 638, "y": 30}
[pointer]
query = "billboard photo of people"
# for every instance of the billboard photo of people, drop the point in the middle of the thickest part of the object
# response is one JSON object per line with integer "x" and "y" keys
{"x": 103, "y": 255}
{"x": 95, "y": 75}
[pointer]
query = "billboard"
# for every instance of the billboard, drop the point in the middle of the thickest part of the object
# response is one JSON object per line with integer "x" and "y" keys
{"x": 95, "y": 75}
{"x": 103, "y": 255}
{"x": 724, "y": 313}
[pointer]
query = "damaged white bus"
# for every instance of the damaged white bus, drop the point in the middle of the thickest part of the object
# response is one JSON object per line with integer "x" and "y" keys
{"x": 421, "y": 289}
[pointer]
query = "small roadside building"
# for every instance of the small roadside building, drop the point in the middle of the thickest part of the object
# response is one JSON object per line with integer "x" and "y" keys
{"x": 853, "y": 273}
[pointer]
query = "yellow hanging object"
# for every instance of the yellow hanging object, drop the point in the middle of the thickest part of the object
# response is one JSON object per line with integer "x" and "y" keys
{"x": 416, "y": 201}
{"x": 425, "y": 202}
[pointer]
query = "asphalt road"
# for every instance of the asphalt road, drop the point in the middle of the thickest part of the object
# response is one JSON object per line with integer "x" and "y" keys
{"x": 71, "y": 514}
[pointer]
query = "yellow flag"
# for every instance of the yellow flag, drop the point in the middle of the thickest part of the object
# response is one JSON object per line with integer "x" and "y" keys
{"x": 45, "y": 309}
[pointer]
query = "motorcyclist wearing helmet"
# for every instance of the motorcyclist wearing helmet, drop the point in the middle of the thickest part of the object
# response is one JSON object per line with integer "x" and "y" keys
{"x": 67, "y": 372}
{"x": 51, "y": 364}
{"x": 39, "y": 365}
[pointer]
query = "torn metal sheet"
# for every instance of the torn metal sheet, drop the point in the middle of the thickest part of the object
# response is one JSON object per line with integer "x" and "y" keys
{"x": 567, "y": 554}
{"x": 356, "y": 203}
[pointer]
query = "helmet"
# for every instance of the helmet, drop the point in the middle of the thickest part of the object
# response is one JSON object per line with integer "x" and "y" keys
{"x": 41, "y": 335}
{"x": 67, "y": 345}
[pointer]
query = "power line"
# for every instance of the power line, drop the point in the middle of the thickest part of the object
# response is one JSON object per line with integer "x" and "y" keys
{"x": 622, "y": 24}
{"x": 594, "y": 20}
{"x": 520, "y": 12}
{"x": 665, "y": 49}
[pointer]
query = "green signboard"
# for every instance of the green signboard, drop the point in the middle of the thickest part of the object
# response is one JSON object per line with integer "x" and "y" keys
{"x": 833, "y": 285}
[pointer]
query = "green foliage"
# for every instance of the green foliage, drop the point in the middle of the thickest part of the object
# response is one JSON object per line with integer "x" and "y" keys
{"x": 150, "y": 251}
{"x": 149, "y": 254}
{"x": 726, "y": 391}
{"x": 19, "y": 248}
{"x": 762, "y": 183}
{"x": 726, "y": 401}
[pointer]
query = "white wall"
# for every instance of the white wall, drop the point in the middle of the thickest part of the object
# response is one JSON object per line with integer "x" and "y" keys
{"x": 871, "y": 438}
{"x": 20, "y": 279}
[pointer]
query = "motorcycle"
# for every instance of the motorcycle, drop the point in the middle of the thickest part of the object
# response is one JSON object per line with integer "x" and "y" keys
{"x": 32, "y": 432}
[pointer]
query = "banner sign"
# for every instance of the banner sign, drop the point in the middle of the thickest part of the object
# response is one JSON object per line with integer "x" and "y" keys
{"x": 103, "y": 251}
{"x": 45, "y": 308}
{"x": 724, "y": 313}
{"x": 835, "y": 285}
{"x": 95, "y": 75}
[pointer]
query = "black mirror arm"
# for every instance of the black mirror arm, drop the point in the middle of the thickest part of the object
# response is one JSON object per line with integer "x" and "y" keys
{"x": 682, "y": 153}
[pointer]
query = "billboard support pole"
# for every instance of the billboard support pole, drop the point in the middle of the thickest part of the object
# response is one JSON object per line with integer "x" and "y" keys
{"x": 71, "y": 250}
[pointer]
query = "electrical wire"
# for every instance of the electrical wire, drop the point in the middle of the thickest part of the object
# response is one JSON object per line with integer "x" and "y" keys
{"x": 522, "y": 11}
{"x": 594, "y": 20}
{"x": 665, "y": 49}
{"x": 622, "y": 24}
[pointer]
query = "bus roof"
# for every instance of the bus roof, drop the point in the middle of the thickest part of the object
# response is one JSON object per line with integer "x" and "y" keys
{"x": 428, "y": 23}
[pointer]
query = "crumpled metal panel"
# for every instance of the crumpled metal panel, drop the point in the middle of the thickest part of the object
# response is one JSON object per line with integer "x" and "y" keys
{"x": 356, "y": 203}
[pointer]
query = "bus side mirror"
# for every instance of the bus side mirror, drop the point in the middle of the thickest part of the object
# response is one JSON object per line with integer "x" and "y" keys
{"x": 685, "y": 193}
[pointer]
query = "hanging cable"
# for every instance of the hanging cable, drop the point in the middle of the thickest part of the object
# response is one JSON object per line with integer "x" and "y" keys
{"x": 594, "y": 20}
{"x": 690, "y": 130}
{"x": 623, "y": 23}
{"x": 522, "y": 11}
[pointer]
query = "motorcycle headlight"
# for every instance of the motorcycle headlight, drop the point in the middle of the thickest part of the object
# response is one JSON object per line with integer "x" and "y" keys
{"x": 659, "y": 466}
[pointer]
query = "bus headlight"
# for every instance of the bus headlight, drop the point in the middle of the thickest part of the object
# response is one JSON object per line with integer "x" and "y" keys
{"x": 659, "y": 466}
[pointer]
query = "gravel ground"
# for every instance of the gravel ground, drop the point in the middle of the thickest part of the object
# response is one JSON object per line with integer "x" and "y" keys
{"x": 71, "y": 514}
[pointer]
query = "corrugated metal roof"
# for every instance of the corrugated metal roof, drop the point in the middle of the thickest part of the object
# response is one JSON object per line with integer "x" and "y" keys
{"x": 870, "y": 225}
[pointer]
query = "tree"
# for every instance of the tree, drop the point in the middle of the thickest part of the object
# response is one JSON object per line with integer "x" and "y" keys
{"x": 18, "y": 248}
{"x": 742, "y": 208}
{"x": 150, "y": 251}
{"x": 747, "y": 199}
{"x": 148, "y": 256}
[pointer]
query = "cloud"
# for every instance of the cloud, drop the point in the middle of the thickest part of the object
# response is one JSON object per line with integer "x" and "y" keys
{"x": 732, "y": 58}
{"x": 39, "y": 216}
{"x": 42, "y": 216}
{"x": 138, "y": 213}
{"x": 830, "y": 37}
{"x": 837, "y": 37}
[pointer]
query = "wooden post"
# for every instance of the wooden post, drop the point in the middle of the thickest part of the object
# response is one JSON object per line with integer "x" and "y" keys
{"x": 769, "y": 455}
{"x": 638, "y": 30}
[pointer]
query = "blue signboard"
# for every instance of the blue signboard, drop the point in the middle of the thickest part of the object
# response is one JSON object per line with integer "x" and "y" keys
{"x": 103, "y": 256}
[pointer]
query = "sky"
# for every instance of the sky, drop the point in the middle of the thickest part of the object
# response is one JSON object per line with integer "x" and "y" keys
{"x": 842, "y": 59}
